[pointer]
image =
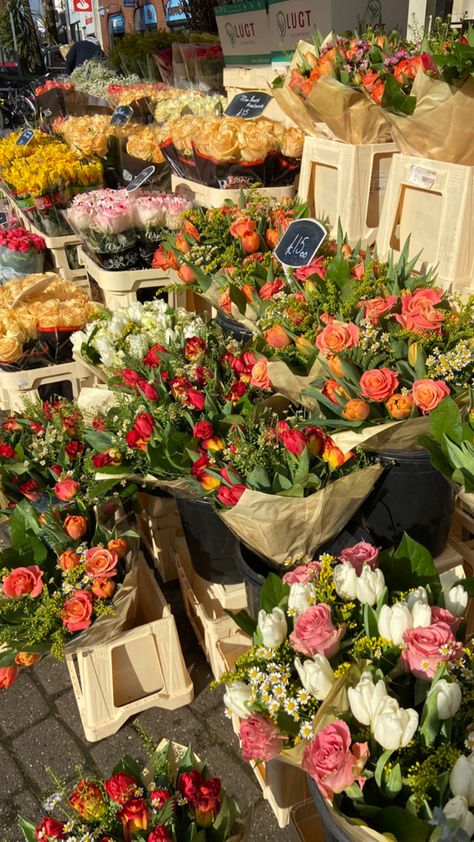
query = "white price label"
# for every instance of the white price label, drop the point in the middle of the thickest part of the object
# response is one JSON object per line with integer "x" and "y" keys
{"x": 421, "y": 177}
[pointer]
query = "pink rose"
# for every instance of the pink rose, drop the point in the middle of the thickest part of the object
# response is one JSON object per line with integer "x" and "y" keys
{"x": 378, "y": 384}
{"x": 305, "y": 573}
{"x": 330, "y": 760}
{"x": 442, "y": 615}
{"x": 23, "y": 581}
{"x": 418, "y": 311}
{"x": 77, "y": 611}
{"x": 376, "y": 307}
{"x": 427, "y": 648}
{"x": 315, "y": 634}
{"x": 66, "y": 489}
{"x": 360, "y": 554}
{"x": 427, "y": 394}
{"x": 101, "y": 562}
{"x": 260, "y": 739}
{"x": 337, "y": 336}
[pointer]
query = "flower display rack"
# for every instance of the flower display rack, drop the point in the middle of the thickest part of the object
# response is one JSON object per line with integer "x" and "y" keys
{"x": 346, "y": 183}
{"x": 214, "y": 197}
{"x": 18, "y": 386}
{"x": 432, "y": 203}
{"x": 204, "y": 611}
{"x": 159, "y": 523}
{"x": 140, "y": 668}
{"x": 120, "y": 288}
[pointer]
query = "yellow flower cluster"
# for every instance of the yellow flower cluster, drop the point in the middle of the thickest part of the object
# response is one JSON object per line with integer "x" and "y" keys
{"x": 51, "y": 167}
{"x": 10, "y": 152}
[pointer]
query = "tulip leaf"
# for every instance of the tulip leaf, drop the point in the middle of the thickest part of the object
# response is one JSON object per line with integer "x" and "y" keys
{"x": 259, "y": 480}
{"x": 430, "y": 721}
{"x": 394, "y": 782}
{"x": 130, "y": 766}
{"x": 370, "y": 622}
{"x": 446, "y": 420}
{"x": 7, "y": 658}
{"x": 274, "y": 593}
{"x": 238, "y": 298}
{"x": 27, "y": 828}
{"x": 402, "y": 824}
{"x": 409, "y": 566}
{"x": 383, "y": 759}
{"x": 244, "y": 621}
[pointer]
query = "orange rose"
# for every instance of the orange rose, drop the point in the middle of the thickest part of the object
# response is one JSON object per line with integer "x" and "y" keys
{"x": 26, "y": 659}
{"x": 337, "y": 336}
{"x": 101, "y": 562}
{"x": 241, "y": 225}
{"x": 378, "y": 384}
{"x": 75, "y": 526}
{"x": 277, "y": 337}
{"x": 427, "y": 394}
{"x": 356, "y": 410}
{"x": 259, "y": 378}
{"x": 68, "y": 559}
{"x": 399, "y": 406}
{"x": 77, "y": 611}
{"x": 103, "y": 588}
{"x": 118, "y": 546}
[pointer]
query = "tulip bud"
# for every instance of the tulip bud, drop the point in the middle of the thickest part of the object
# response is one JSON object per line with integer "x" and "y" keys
{"x": 235, "y": 698}
{"x": 457, "y": 808}
{"x": 365, "y": 698}
{"x": 412, "y": 354}
{"x": 448, "y": 698}
{"x": 370, "y": 585}
{"x": 273, "y": 627}
{"x": 302, "y": 595}
{"x": 316, "y": 676}
{"x": 393, "y": 621}
{"x": 456, "y": 600}
{"x": 421, "y": 615}
{"x": 461, "y": 779}
{"x": 345, "y": 580}
{"x": 393, "y": 727}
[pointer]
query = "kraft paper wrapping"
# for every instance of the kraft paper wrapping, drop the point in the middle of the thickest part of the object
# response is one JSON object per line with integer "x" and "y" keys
{"x": 442, "y": 125}
{"x": 280, "y": 527}
{"x": 395, "y": 435}
{"x": 348, "y": 113}
{"x": 292, "y": 385}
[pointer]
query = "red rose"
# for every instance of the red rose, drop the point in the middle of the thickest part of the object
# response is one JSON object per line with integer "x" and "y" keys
{"x": 159, "y": 834}
{"x": 230, "y": 496}
{"x": 188, "y": 784}
{"x": 7, "y": 451}
{"x": 102, "y": 459}
{"x": 152, "y": 358}
{"x": 50, "y": 828}
{"x": 134, "y": 441}
{"x": 236, "y": 392}
{"x": 74, "y": 448}
{"x": 57, "y": 470}
{"x": 144, "y": 425}
{"x": 195, "y": 399}
{"x": 203, "y": 430}
{"x": 120, "y": 787}
{"x": 159, "y": 797}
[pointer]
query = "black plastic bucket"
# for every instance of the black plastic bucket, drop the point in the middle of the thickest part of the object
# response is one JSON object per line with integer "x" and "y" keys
{"x": 411, "y": 496}
{"x": 212, "y": 546}
{"x": 332, "y": 831}
{"x": 233, "y": 328}
{"x": 253, "y": 571}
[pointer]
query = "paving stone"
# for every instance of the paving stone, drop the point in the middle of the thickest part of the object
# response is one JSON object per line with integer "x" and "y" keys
{"x": 205, "y": 699}
{"x": 68, "y": 712}
{"x": 48, "y": 745}
{"x": 22, "y": 705}
{"x": 179, "y": 725}
{"x": 106, "y": 753}
{"x": 265, "y": 827}
{"x": 53, "y": 675}
{"x": 11, "y": 774}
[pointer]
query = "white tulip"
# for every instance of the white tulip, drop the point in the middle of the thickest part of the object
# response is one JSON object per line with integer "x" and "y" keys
{"x": 393, "y": 727}
{"x": 345, "y": 580}
{"x": 456, "y": 600}
{"x": 370, "y": 585}
{"x": 461, "y": 779}
{"x": 419, "y": 595}
{"x": 457, "y": 808}
{"x": 448, "y": 698}
{"x": 302, "y": 595}
{"x": 393, "y": 621}
{"x": 316, "y": 676}
{"x": 421, "y": 615}
{"x": 273, "y": 627}
{"x": 235, "y": 698}
{"x": 365, "y": 698}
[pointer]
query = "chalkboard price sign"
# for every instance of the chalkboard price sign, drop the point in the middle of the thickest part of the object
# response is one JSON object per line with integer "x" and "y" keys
{"x": 300, "y": 242}
{"x": 25, "y": 137}
{"x": 121, "y": 115}
{"x": 3, "y": 218}
{"x": 249, "y": 104}
{"x": 140, "y": 179}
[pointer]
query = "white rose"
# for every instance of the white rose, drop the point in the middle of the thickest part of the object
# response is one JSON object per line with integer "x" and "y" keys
{"x": 393, "y": 621}
{"x": 370, "y": 585}
{"x": 461, "y": 779}
{"x": 345, "y": 580}
{"x": 448, "y": 698}
{"x": 457, "y": 808}
{"x": 302, "y": 595}
{"x": 273, "y": 627}
{"x": 235, "y": 698}
{"x": 393, "y": 727}
{"x": 456, "y": 600}
{"x": 365, "y": 698}
{"x": 316, "y": 676}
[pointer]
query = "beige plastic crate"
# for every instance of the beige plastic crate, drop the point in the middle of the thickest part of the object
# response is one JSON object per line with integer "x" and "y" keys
{"x": 18, "y": 386}
{"x": 239, "y": 80}
{"x": 432, "y": 203}
{"x": 306, "y": 824}
{"x": 204, "y": 611}
{"x": 158, "y": 530}
{"x": 344, "y": 182}
{"x": 232, "y": 647}
{"x": 214, "y": 197}
{"x": 140, "y": 668}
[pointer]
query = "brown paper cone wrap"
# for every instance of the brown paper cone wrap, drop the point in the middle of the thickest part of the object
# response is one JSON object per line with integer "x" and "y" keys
{"x": 442, "y": 125}
{"x": 292, "y": 385}
{"x": 348, "y": 113}
{"x": 395, "y": 435}
{"x": 280, "y": 527}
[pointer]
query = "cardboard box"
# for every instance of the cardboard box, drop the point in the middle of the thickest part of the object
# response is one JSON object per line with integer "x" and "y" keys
{"x": 290, "y": 21}
{"x": 244, "y": 32}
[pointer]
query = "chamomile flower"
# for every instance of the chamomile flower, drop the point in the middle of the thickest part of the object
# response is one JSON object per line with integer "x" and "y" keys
{"x": 291, "y": 707}
{"x": 306, "y": 731}
{"x": 274, "y": 706}
{"x": 303, "y": 696}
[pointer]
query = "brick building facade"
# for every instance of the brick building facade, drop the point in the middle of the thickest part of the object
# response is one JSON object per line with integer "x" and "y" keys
{"x": 119, "y": 19}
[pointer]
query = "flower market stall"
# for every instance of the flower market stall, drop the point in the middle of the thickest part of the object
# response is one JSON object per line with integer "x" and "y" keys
{"x": 236, "y": 439}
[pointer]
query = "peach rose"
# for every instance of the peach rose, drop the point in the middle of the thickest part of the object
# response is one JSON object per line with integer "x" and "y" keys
{"x": 75, "y": 526}
{"x": 68, "y": 559}
{"x": 277, "y": 337}
{"x": 356, "y": 410}
{"x": 101, "y": 562}
{"x": 331, "y": 760}
{"x": 260, "y": 738}
{"x": 399, "y": 406}
{"x": 427, "y": 394}
{"x": 118, "y": 546}
{"x": 376, "y": 307}
{"x": 378, "y": 384}
{"x": 337, "y": 336}
{"x": 259, "y": 377}
{"x": 419, "y": 313}
{"x": 77, "y": 611}
{"x": 23, "y": 581}
{"x": 224, "y": 301}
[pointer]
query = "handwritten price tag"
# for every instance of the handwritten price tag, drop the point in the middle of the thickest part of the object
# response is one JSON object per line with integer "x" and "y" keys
{"x": 140, "y": 179}
{"x": 248, "y": 105}
{"x": 121, "y": 115}
{"x": 300, "y": 242}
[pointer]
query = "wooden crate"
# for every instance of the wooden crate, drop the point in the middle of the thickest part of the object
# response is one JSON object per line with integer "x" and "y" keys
{"x": 214, "y": 197}
{"x": 205, "y": 613}
{"x": 140, "y": 668}
{"x": 344, "y": 182}
{"x": 18, "y": 386}
{"x": 432, "y": 203}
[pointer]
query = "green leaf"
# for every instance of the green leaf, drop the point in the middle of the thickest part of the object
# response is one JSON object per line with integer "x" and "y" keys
{"x": 274, "y": 593}
{"x": 244, "y": 621}
{"x": 259, "y": 479}
{"x": 430, "y": 722}
{"x": 381, "y": 762}
{"x": 409, "y": 566}
{"x": 302, "y": 469}
{"x": 238, "y": 298}
{"x": 28, "y": 829}
{"x": 402, "y": 824}
{"x": 130, "y": 766}
{"x": 99, "y": 440}
{"x": 370, "y": 621}
{"x": 394, "y": 782}
{"x": 7, "y": 658}
{"x": 445, "y": 420}
{"x": 394, "y": 99}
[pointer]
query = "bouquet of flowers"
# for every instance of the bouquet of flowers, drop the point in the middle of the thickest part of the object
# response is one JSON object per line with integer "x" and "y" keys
{"x": 358, "y": 673}
{"x": 10, "y": 151}
{"x": 94, "y": 78}
{"x": 173, "y": 800}
{"x": 155, "y": 215}
{"x": 450, "y": 443}
{"x": 51, "y": 84}
{"x": 188, "y": 102}
{"x": 21, "y": 253}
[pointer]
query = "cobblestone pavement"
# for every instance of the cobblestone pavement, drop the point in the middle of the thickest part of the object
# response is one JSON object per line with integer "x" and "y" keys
{"x": 40, "y": 728}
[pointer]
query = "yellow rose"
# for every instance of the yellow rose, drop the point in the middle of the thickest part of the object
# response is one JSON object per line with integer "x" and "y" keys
{"x": 10, "y": 349}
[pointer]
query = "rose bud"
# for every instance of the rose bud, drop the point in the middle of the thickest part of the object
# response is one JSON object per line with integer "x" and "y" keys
{"x": 75, "y": 526}
{"x": 118, "y": 546}
{"x": 68, "y": 559}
